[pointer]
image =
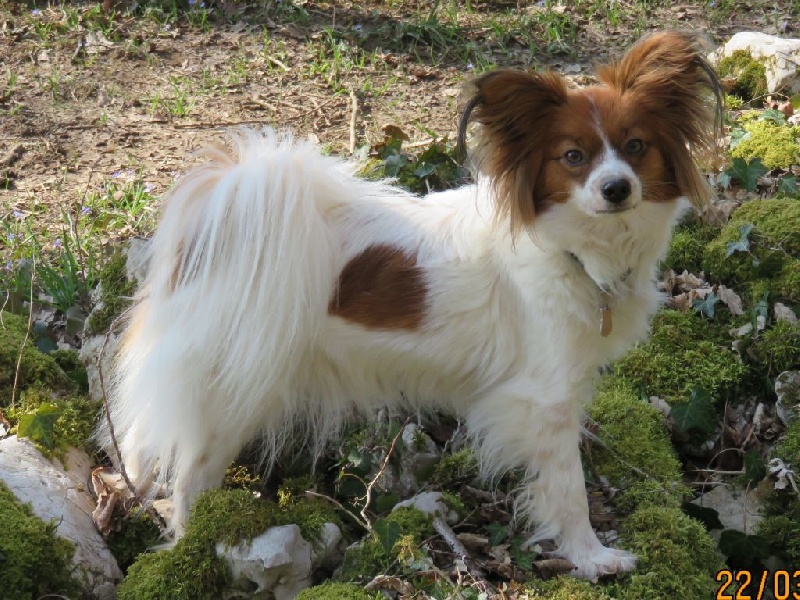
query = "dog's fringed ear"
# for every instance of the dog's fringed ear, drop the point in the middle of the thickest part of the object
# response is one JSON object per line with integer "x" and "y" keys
{"x": 512, "y": 109}
{"x": 667, "y": 77}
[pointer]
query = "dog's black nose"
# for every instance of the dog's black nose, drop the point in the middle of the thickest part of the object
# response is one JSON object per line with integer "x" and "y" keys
{"x": 616, "y": 190}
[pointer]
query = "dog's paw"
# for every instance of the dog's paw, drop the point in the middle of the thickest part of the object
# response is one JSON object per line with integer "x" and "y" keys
{"x": 599, "y": 562}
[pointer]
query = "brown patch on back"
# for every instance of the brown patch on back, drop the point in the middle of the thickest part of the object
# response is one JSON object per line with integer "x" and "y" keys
{"x": 381, "y": 288}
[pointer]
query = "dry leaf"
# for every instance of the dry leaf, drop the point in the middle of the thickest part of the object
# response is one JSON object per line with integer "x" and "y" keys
{"x": 728, "y": 297}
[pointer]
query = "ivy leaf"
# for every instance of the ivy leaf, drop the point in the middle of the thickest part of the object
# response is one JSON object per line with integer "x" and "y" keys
{"x": 774, "y": 115}
{"x": 755, "y": 467}
{"x": 747, "y": 173}
{"x": 743, "y": 243}
{"x": 388, "y": 533}
{"x": 393, "y": 164}
{"x": 707, "y": 516}
{"x": 497, "y": 533}
{"x": 787, "y": 185}
{"x": 738, "y": 135}
{"x": 745, "y": 548}
{"x": 424, "y": 170}
{"x": 696, "y": 414}
{"x": 705, "y": 306}
{"x": 38, "y": 426}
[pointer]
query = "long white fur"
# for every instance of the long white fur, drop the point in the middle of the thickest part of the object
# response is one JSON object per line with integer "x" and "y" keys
{"x": 243, "y": 344}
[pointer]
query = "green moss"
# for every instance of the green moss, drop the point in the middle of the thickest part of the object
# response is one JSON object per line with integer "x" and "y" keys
{"x": 773, "y": 262}
{"x": 34, "y": 561}
{"x": 733, "y": 102}
{"x": 71, "y": 364}
{"x": 750, "y": 75}
{"x": 686, "y": 249}
{"x": 337, "y": 591}
{"x": 192, "y": 569}
{"x": 681, "y": 355}
{"x": 776, "y": 145}
{"x": 77, "y": 416}
{"x": 676, "y": 557}
{"x": 34, "y": 367}
{"x": 459, "y": 466}
{"x": 789, "y": 447}
{"x": 116, "y": 292}
{"x": 565, "y": 588}
{"x": 634, "y": 437}
{"x": 370, "y": 556}
{"x": 777, "y": 349}
{"x": 135, "y": 533}
{"x": 783, "y": 533}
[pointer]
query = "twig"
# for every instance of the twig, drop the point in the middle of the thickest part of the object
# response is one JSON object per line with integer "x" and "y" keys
{"x": 27, "y": 335}
{"x": 379, "y": 474}
{"x": 340, "y": 506}
{"x": 353, "y": 120}
{"x": 111, "y": 433}
{"x": 275, "y": 61}
{"x": 448, "y": 535}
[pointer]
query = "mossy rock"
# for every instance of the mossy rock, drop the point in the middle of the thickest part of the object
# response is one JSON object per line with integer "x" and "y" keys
{"x": 34, "y": 561}
{"x": 192, "y": 569}
{"x": 777, "y": 349}
{"x": 565, "y": 588}
{"x": 749, "y": 74}
{"x": 406, "y": 527}
{"x": 116, "y": 294}
{"x": 783, "y": 534}
{"x": 773, "y": 262}
{"x": 75, "y": 418}
{"x": 684, "y": 352}
{"x": 337, "y": 591}
{"x": 676, "y": 558}
{"x": 459, "y": 466}
{"x": 635, "y": 441}
{"x": 778, "y": 146}
{"x": 34, "y": 367}
{"x": 788, "y": 449}
{"x": 687, "y": 246}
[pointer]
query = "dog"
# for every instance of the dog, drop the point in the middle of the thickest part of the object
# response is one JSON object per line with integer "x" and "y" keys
{"x": 284, "y": 290}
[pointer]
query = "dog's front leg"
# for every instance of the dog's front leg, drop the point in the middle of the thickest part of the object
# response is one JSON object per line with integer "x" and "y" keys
{"x": 513, "y": 428}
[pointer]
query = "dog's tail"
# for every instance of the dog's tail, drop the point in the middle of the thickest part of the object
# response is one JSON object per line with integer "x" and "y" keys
{"x": 241, "y": 270}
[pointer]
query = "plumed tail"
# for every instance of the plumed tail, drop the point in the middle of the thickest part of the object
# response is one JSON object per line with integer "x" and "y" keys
{"x": 241, "y": 271}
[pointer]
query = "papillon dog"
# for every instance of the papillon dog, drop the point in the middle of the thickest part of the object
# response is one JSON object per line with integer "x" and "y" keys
{"x": 284, "y": 291}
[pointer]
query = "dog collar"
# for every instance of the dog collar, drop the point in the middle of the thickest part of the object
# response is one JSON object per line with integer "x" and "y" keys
{"x": 607, "y": 300}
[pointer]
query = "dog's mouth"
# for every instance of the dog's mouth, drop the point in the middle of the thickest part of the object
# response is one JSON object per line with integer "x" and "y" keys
{"x": 614, "y": 210}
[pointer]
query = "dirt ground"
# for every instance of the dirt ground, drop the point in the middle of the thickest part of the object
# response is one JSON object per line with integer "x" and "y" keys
{"x": 88, "y": 94}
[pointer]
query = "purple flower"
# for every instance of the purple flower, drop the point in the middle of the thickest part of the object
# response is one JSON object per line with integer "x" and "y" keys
{"x": 470, "y": 66}
{"x": 35, "y": 12}
{"x": 58, "y": 243}
{"x": 17, "y": 214}
{"x": 149, "y": 187}
{"x": 9, "y": 266}
{"x": 85, "y": 210}
{"x": 12, "y": 237}
{"x": 358, "y": 27}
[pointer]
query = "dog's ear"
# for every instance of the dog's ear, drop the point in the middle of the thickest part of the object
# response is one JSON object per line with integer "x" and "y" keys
{"x": 512, "y": 109}
{"x": 666, "y": 76}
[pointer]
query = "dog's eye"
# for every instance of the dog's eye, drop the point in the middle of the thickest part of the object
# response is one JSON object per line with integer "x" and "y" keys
{"x": 634, "y": 146}
{"x": 573, "y": 157}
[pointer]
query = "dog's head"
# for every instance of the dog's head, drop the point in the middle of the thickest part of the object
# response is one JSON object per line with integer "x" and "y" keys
{"x": 634, "y": 138}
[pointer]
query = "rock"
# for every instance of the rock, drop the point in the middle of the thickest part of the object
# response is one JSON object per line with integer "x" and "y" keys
{"x": 90, "y": 356}
{"x": 780, "y": 57}
{"x": 738, "y": 509}
{"x": 63, "y": 497}
{"x": 279, "y": 563}
{"x": 138, "y": 259}
{"x": 431, "y": 503}
{"x": 417, "y": 460}
{"x": 787, "y": 389}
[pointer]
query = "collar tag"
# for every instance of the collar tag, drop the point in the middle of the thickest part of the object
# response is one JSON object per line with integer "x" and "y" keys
{"x": 606, "y": 323}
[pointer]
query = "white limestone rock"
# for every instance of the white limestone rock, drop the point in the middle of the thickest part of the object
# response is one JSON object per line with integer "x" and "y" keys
{"x": 780, "y": 57}
{"x": 61, "y": 496}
